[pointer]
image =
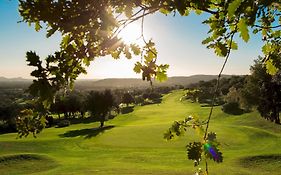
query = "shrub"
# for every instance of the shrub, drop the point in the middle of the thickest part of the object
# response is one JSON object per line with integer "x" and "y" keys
{"x": 63, "y": 123}
{"x": 232, "y": 108}
{"x": 126, "y": 110}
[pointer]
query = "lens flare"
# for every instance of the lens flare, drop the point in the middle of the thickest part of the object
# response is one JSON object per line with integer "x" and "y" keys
{"x": 208, "y": 147}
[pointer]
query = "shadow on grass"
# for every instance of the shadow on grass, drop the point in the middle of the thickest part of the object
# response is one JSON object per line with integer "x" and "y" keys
{"x": 261, "y": 161}
{"x": 86, "y": 133}
{"x": 79, "y": 120}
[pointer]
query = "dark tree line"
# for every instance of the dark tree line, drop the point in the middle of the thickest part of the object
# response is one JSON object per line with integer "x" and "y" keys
{"x": 203, "y": 91}
{"x": 237, "y": 94}
{"x": 75, "y": 106}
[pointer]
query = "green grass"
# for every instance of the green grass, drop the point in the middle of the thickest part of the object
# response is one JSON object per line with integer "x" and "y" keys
{"x": 133, "y": 144}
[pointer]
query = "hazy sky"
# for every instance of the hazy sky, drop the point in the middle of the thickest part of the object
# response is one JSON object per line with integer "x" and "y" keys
{"x": 178, "y": 40}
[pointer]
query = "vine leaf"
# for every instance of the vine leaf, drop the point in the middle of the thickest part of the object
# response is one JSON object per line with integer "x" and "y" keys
{"x": 212, "y": 137}
{"x": 194, "y": 152}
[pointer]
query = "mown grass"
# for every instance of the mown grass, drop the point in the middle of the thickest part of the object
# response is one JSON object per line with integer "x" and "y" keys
{"x": 133, "y": 144}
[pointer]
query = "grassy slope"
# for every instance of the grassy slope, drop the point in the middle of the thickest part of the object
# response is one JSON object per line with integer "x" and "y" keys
{"x": 135, "y": 144}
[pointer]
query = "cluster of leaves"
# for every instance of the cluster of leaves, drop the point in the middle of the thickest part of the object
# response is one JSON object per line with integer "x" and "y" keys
{"x": 90, "y": 30}
{"x": 149, "y": 68}
{"x": 208, "y": 146}
{"x": 59, "y": 71}
{"x": 28, "y": 122}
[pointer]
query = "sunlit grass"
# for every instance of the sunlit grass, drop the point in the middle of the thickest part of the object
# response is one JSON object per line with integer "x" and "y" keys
{"x": 133, "y": 143}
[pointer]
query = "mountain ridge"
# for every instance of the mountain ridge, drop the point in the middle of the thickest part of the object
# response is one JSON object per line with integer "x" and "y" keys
{"x": 118, "y": 82}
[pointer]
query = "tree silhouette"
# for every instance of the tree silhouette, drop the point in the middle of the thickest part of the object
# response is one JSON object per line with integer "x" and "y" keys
{"x": 127, "y": 98}
{"x": 100, "y": 104}
{"x": 263, "y": 91}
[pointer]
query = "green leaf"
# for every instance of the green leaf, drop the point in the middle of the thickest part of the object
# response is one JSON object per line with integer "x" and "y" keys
{"x": 36, "y": 73}
{"x": 164, "y": 11}
{"x": 234, "y": 45}
{"x": 163, "y": 67}
{"x": 194, "y": 151}
{"x": 65, "y": 41}
{"x": 243, "y": 29}
{"x": 50, "y": 32}
{"x": 198, "y": 12}
{"x": 270, "y": 68}
{"x": 37, "y": 26}
{"x": 149, "y": 56}
{"x": 233, "y": 6}
{"x": 267, "y": 48}
{"x": 115, "y": 54}
{"x": 33, "y": 59}
{"x": 186, "y": 12}
{"x": 220, "y": 49}
{"x": 207, "y": 40}
{"x": 211, "y": 136}
{"x": 161, "y": 76}
{"x": 135, "y": 49}
{"x": 138, "y": 67}
{"x": 128, "y": 55}
{"x": 168, "y": 135}
{"x": 255, "y": 31}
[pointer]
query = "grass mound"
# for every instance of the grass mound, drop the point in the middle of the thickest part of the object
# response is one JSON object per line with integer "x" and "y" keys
{"x": 263, "y": 162}
{"x": 25, "y": 164}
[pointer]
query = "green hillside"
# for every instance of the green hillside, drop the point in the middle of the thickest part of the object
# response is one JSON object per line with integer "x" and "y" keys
{"x": 133, "y": 144}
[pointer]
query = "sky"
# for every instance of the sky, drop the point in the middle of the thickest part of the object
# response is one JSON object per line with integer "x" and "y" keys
{"x": 178, "y": 41}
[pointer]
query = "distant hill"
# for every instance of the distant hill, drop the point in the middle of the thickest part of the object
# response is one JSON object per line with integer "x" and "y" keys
{"x": 14, "y": 83}
{"x": 113, "y": 82}
{"x": 135, "y": 82}
{"x": 4, "y": 79}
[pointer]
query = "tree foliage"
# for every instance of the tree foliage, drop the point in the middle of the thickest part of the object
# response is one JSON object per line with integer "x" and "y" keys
{"x": 207, "y": 147}
{"x": 100, "y": 104}
{"x": 28, "y": 122}
{"x": 263, "y": 91}
{"x": 90, "y": 30}
{"x": 127, "y": 98}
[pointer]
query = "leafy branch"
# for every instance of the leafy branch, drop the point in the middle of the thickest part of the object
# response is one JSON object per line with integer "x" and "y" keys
{"x": 207, "y": 147}
{"x": 209, "y": 144}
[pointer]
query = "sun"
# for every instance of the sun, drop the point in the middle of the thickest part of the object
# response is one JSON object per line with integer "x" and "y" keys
{"x": 131, "y": 34}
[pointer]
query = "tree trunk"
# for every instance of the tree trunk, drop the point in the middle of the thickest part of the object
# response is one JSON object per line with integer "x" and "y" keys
{"x": 102, "y": 119}
{"x": 277, "y": 118}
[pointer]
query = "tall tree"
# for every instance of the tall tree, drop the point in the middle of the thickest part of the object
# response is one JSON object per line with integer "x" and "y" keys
{"x": 100, "y": 104}
{"x": 263, "y": 91}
